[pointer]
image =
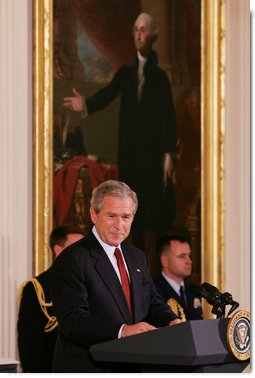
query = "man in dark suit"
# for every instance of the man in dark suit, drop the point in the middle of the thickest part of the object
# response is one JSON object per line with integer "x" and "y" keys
{"x": 37, "y": 325}
{"x": 175, "y": 258}
{"x": 147, "y": 131}
{"x": 96, "y": 299}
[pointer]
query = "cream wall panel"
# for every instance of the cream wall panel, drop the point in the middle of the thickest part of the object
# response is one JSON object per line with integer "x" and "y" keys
{"x": 15, "y": 162}
{"x": 237, "y": 240}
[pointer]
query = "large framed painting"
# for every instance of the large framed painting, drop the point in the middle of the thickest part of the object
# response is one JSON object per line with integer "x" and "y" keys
{"x": 78, "y": 48}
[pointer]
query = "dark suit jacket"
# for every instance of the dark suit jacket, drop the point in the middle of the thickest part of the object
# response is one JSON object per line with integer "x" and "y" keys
{"x": 166, "y": 291}
{"x": 35, "y": 346}
{"x": 147, "y": 130}
{"x": 90, "y": 304}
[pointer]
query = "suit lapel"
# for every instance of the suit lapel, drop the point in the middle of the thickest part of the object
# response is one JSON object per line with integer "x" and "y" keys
{"x": 170, "y": 292}
{"x": 110, "y": 279}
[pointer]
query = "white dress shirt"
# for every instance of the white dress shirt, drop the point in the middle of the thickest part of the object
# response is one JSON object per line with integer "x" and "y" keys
{"x": 174, "y": 284}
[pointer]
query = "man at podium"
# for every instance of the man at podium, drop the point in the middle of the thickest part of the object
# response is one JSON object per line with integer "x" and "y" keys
{"x": 101, "y": 286}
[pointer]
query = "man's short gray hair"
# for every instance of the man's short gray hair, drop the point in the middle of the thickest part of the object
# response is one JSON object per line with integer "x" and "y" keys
{"x": 112, "y": 188}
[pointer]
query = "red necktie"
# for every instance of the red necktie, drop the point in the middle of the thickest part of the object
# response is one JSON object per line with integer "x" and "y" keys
{"x": 124, "y": 277}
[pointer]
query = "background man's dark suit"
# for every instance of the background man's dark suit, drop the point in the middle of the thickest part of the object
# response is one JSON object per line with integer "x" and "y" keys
{"x": 90, "y": 304}
{"x": 166, "y": 291}
{"x": 35, "y": 346}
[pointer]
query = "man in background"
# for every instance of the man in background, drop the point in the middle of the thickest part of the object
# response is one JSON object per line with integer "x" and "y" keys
{"x": 175, "y": 258}
{"x": 37, "y": 324}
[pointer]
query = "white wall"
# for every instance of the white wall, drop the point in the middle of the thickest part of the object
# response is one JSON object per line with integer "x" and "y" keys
{"x": 15, "y": 162}
{"x": 237, "y": 231}
{"x": 16, "y": 158}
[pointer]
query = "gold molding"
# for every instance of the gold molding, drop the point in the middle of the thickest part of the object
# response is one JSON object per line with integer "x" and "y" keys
{"x": 212, "y": 140}
{"x": 43, "y": 172}
{"x": 212, "y": 144}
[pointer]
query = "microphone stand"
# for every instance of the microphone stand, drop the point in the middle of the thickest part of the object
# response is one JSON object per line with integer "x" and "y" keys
{"x": 233, "y": 308}
{"x": 219, "y": 311}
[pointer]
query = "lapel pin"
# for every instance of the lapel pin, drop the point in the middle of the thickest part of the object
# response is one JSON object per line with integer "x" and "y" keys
{"x": 138, "y": 270}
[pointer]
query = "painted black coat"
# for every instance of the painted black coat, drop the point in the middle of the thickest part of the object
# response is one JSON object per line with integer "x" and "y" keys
{"x": 147, "y": 130}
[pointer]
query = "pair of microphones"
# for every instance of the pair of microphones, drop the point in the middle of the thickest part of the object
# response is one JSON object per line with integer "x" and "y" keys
{"x": 217, "y": 299}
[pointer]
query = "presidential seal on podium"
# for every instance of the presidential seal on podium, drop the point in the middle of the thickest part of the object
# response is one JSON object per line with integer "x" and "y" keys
{"x": 238, "y": 335}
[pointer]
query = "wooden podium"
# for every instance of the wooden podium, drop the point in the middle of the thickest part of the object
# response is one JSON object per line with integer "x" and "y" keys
{"x": 193, "y": 346}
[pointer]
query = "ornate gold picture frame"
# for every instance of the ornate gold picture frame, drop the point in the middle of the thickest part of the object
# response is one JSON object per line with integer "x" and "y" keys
{"x": 212, "y": 136}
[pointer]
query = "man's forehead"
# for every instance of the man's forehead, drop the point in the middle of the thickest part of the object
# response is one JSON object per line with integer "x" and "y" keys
{"x": 142, "y": 21}
{"x": 113, "y": 203}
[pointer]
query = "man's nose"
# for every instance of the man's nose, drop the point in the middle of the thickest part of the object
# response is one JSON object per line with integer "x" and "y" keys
{"x": 188, "y": 260}
{"x": 138, "y": 33}
{"x": 118, "y": 222}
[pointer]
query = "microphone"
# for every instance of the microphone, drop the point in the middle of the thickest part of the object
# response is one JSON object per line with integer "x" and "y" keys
{"x": 218, "y": 300}
{"x": 211, "y": 294}
{"x": 228, "y": 299}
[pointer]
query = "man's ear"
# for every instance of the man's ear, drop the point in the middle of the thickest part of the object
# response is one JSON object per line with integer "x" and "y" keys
{"x": 93, "y": 215}
{"x": 164, "y": 260}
